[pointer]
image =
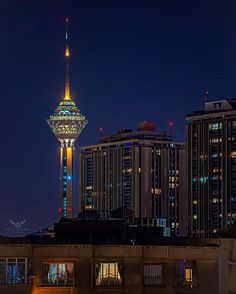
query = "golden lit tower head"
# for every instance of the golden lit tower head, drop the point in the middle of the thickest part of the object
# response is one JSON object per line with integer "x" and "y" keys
{"x": 67, "y": 123}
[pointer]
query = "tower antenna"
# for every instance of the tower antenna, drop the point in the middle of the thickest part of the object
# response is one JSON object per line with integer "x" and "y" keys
{"x": 67, "y": 58}
{"x": 206, "y": 96}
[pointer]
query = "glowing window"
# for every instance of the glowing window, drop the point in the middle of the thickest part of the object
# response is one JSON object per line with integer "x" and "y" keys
{"x": 186, "y": 273}
{"x": 58, "y": 274}
{"x": 108, "y": 274}
{"x": 13, "y": 270}
{"x": 153, "y": 274}
{"x": 215, "y": 126}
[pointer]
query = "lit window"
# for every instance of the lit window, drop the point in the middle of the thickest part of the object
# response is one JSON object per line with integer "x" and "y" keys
{"x": 185, "y": 273}
{"x": 214, "y": 140}
{"x": 158, "y": 152}
{"x": 203, "y": 180}
{"x": 153, "y": 274}
{"x": 58, "y": 274}
{"x": 156, "y": 191}
{"x": 13, "y": 270}
{"x": 215, "y": 126}
{"x": 108, "y": 274}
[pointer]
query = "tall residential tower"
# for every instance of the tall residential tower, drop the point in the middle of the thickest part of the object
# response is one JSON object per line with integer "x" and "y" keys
{"x": 143, "y": 171}
{"x": 212, "y": 168}
{"x": 66, "y": 123}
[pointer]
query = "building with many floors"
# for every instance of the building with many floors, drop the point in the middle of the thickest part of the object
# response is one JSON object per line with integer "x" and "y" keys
{"x": 211, "y": 141}
{"x": 141, "y": 170}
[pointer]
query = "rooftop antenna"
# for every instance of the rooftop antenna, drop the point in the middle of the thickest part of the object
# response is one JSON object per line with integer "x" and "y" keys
{"x": 206, "y": 96}
{"x": 100, "y": 132}
{"x": 170, "y": 128}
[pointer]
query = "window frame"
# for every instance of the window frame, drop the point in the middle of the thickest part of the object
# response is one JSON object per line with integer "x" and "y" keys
{"x": 97, "y": 262}
{"x": 42, "y": 284}
{"x": 179, "y": 281}
{"x": 6, "y": 262}
{"x": 162, "y": 264}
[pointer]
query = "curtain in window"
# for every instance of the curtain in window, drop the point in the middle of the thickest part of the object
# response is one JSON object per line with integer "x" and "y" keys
{"x": 58, "y": 273}
{"x": 12, "y": 271}
{"x": 185, "y": 273}
{"x": 108, "y": 274}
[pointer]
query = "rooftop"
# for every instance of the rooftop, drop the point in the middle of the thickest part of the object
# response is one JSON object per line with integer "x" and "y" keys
{"x": 216, "y": 107}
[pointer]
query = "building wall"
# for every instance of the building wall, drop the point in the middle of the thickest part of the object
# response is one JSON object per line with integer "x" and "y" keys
{"x": 146, "y": 176}
{"x": 211, "y": 267}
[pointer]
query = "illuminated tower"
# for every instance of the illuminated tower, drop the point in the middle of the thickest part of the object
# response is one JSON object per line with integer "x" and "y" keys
{"x": 66, "y": 123}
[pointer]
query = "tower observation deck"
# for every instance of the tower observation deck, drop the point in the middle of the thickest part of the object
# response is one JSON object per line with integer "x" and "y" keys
{"x": 66, "y": 123}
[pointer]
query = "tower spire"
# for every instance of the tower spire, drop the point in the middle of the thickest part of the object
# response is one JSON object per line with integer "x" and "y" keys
{"x": 67, "y": 57}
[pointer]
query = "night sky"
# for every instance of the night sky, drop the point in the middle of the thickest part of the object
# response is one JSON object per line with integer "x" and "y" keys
{"x": 131, "y": 60}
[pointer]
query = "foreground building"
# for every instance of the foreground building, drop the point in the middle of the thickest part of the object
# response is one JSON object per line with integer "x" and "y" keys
{"x": 212, "y": 168}
{"x": 173, "y": 268}
{"x": 66, "y": 123}
{"x": 143, "y": 171}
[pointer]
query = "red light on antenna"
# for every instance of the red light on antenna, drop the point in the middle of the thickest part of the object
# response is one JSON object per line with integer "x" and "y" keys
{"x": 67, "y": 19}
{"x": 171, "y": 123}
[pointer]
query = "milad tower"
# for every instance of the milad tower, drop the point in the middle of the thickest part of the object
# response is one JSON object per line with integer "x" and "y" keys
{"x": 66, "y": 123}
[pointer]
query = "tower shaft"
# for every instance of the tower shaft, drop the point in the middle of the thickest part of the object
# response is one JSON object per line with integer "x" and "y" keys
{"x": 66, "y": 183}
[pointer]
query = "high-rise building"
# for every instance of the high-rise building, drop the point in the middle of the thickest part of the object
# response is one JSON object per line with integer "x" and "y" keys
{"x": 143, "y": 171}
{"x": 212, "y": 168}
{"x": 66, "y": 123}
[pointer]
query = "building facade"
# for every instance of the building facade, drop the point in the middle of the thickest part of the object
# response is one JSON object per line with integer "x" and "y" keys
{"x": 143, "y": 171}
{"x": 211, "y": 136}
{"x": 75, "y": 268}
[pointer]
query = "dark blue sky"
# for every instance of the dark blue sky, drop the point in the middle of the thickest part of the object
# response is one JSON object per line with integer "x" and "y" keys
{"x": 131, "y": 60}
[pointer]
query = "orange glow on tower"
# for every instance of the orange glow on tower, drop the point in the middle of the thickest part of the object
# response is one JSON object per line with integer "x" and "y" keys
{"x": 66, "y": 123}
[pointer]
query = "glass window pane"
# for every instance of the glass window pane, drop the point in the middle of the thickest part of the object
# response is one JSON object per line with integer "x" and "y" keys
{"x": 152, "y": 274}
{"x": 60, "y": 274}
{"x": 185, "y": 270}
{"x": 2, "y": 272}
{"x": 108, "y": 274}
{"x": 15, "y": 273}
